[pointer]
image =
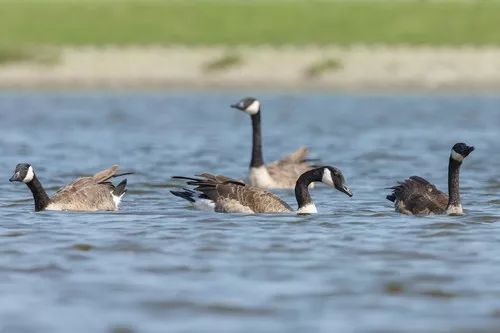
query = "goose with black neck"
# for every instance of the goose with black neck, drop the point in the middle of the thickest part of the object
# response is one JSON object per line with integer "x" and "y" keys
{"x": 281, "y": 174}
{"x": 417, "y": 196}
{"x": 94, "y": 193}
{"x": 225, "y": 195}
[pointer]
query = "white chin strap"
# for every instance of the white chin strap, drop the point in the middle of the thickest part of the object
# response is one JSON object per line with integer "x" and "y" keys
{"x": 253, "y": 108}
{"x": 456, "y": 156}
{"x": 29, "y": 175}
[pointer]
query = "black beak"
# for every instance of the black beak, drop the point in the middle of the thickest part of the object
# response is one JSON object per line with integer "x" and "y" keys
{"x": 236, "y": 106}
{"x": 344, "y": 189}
{"x": 15, "y": 177}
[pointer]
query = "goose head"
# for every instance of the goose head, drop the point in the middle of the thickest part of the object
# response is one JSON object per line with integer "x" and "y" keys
{"x": 23, "y": 173}
{"x": 249, "y": 105}
{"x": 460, "y": 151}
{"x": 333, "y": 177}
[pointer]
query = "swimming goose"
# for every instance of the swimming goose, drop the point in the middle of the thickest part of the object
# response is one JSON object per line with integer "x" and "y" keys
{"x": 416, "y": 196}
{"x": 84, "y": 194}
{"x": 281, "y": 174}
{"x": 225, "y": 195}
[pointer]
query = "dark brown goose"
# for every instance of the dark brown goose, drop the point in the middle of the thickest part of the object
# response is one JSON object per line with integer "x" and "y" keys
{"x": 92, "y": 193}
{"x": 416, "y": 196}
{"x": 226, "y": 195}
{"x": 281, "y": 174}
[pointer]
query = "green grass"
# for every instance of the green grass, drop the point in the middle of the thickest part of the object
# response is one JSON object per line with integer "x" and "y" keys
{"x": 209, "y": 22}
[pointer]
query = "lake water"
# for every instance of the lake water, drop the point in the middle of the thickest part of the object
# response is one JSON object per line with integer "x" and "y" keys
{"x": 159, "y": 266}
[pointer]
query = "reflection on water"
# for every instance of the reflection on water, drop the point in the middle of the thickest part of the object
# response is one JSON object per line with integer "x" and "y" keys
{"x": 158, "y": 265}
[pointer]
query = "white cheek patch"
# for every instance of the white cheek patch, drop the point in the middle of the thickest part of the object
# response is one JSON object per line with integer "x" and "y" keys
{"x": 456, "y": 156}
{"x": 253, "y": 108}
{"x": 29, "y": 175}
{"x": 327, "y": 177}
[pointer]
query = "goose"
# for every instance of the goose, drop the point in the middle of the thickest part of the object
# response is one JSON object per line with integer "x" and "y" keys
{"x": 417, "y": 196}
{"x": 84, "y": 194}
{"x": 281, "y": 174}
{"x": 225, "y": 195}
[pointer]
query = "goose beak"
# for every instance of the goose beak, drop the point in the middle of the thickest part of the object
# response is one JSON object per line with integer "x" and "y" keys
{"x": 344, "y": 189}
{"x": 15, "y": 177}
{"x": 236, "y": 106}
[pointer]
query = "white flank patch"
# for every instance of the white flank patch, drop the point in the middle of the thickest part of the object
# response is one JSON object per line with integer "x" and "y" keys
{"x": 327, "y": 177}
{"x": 253, "y": 108}
{"x": 308, "y": 209}
{"x": 204, "y": 204}
{"x": 260, "y": 177}
{"x": 456, "y": 156}
{"x": 29, "y": 175}
{"x": 455, "y": 210}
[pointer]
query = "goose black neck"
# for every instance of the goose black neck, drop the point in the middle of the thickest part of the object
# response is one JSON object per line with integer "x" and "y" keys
{"x": 453, "y": 182}
{"x": 257, "y": 159}
{"x": 39, "y": 194}
{"x": 302, "y": 186}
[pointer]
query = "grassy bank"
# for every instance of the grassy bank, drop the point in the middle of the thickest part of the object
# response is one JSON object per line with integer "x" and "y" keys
{"x": 249, "y": 22}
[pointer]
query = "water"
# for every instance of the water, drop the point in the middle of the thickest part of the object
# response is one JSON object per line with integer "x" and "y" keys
{"x": 159, "y": 266}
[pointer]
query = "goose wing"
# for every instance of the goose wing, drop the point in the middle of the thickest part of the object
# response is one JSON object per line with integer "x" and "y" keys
{"x": 417, "y": 196}
{"x": 88, "y": 191}
{"x": 289, "y": 168}
{"x": 91, "y": 197}
{"x": 233, "y": 196}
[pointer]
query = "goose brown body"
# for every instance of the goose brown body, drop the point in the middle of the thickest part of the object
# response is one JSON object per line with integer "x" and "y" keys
{"x": 233, "y": 196}
{"x": 286, "y": 171}
{"x": 416, "y": 196}
{"x": 87, "y": 193}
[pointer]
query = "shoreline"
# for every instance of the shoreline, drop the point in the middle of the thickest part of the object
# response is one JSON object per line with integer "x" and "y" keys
{"x": 371, "y": 68}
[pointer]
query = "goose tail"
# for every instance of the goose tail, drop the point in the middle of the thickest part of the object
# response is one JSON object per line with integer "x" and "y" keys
{"x": 197, "y": 199}
{"x": 120, "y": 189}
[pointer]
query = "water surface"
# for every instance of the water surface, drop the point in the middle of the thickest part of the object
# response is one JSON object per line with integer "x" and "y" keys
{"x": 159, "y": 266}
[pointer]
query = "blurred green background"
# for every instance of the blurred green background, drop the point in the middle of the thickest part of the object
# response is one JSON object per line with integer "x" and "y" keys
{"x": 224, "y": 22}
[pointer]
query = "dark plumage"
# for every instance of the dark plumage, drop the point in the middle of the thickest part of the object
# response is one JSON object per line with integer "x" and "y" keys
{"x": 417, "y": 196}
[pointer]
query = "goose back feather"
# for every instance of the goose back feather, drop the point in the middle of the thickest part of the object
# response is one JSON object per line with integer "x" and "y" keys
{"x": 417, "y": 196}
{"x": 233, "y": 196}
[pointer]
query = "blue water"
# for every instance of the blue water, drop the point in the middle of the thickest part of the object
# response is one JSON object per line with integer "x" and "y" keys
{"x": 159, "y": 266}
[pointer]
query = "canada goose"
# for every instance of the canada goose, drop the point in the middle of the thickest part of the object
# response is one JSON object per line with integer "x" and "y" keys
{"x": 281, "y": 174}
{"x": 416, "y": 196}
{"x": 84, "y": 194}
{"x": 226, "y": 195}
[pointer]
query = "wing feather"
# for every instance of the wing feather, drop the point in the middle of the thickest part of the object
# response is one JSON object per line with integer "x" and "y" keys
{"x": 287, "y": 170}
{"x": 92, "y": 191}
{"x": 231, "y": 195}
{"x": 417, "y": 196}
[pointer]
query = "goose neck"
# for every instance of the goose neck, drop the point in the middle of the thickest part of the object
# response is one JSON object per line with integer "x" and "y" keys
{"x": 304, "y": 200}
{"x": 257, "y": 158}
{"x": 454, "y": 202}
{"x": 39, "y": 194}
